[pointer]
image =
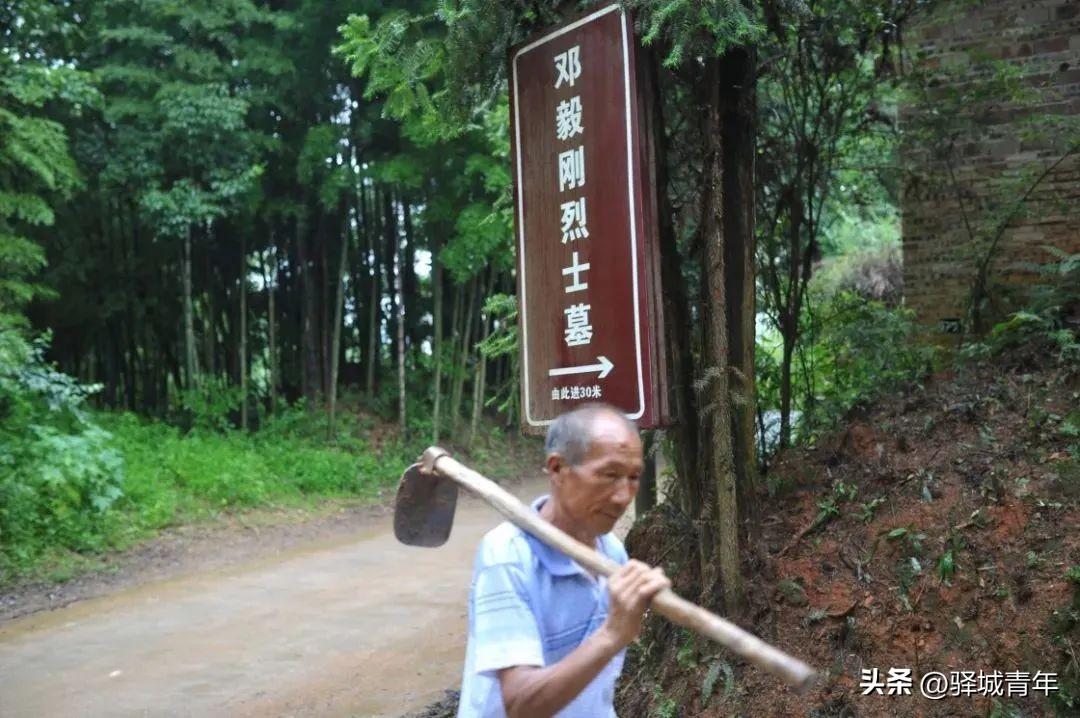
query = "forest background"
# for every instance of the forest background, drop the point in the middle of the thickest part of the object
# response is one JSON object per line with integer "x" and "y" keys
{"x": 260, "y": 253}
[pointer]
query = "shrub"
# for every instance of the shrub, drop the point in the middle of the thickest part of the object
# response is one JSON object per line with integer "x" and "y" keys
{"x": 59, "y": 476}
{"x": 852, "y": 351}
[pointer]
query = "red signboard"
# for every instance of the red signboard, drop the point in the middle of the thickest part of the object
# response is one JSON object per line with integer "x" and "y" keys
{"x": 586, "y": 245}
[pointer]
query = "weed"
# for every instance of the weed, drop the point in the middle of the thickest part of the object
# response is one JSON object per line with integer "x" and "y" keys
{"x": 946, "y": 567}
{"x": 663, "y": 707}
{"x": 1073, "y": 575}
{"x": 867, "y": 509}
{"x": 686, "y": 656}
{"x": 792, "y": 592}
{"x": 829, "y": 507}
{"x": 912, "y": 539}
{"x": 708, "y": 685}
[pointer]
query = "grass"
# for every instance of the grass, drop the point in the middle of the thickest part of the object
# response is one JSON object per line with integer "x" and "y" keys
{"x": 168, "y": 478}
{"x": 172, "y": 478}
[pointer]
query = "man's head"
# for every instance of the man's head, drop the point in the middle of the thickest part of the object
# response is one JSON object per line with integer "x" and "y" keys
{"x": 594, "y": 459}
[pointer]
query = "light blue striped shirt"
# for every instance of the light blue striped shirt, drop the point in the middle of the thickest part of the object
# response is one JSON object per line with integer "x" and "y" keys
{"x": 531, "y": 605}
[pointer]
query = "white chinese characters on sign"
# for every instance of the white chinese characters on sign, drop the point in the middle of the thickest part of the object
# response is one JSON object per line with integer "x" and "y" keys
{"x": 568, "y": 118}
{"x": 568, "y": 66}
{"x": 572, "y": 169}
{"x": 576, "y": 392}
{"x": 578, "y": 329}
{"x": 576, "y": 269}
{"x": 573, "y": 222}
{"x": 573, "y": 226}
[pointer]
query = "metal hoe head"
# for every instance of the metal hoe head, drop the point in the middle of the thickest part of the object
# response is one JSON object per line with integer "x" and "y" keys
{"x": 424, "y": 507}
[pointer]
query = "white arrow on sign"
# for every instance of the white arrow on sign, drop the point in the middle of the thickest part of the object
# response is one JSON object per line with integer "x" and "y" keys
{"x": 604, "y": 367}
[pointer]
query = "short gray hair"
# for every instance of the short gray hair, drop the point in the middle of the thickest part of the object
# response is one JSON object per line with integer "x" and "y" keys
{"x": 571, "y": 433}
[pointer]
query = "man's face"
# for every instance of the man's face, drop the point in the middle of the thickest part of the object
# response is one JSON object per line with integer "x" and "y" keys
{"x": 596, "y": 491}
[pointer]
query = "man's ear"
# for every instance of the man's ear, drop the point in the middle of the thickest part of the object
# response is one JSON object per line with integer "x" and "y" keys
{"x": 553, "y": 464}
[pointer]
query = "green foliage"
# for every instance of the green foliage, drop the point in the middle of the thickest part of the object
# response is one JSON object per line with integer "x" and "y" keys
{"x": 685, "y": 29}
{"x": 173, "y": 477}
{"x": 686, "y": 656}
{"x": 867, "y": 509}
{"x": 946, "y": 566}
{"x": 58, "y": 473}
{"x": 209, "y": 405}
{"x": 503, "y": 341}
{"x": 829, "y": 507}
{"x": 404, "y": 62}
{"x": 708, "y": 684}
{"x": 108, "y": 480}
{"x": 826, "y": 117}
{"x": 663, "y": 707}
{"x": 36, "y": 166}
{"x": 1048, "y": 320}
{"x": 853, "y": 351}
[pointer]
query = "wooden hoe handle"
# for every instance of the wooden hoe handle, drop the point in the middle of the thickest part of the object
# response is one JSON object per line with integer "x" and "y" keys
{"x": 677, "y": 609}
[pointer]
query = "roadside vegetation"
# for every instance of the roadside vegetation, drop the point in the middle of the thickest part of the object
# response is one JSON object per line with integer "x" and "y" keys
{"x": 79, "y": 482}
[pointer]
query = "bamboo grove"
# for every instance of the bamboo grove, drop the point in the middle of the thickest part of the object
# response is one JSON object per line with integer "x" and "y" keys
{"x": 250, "y": 229}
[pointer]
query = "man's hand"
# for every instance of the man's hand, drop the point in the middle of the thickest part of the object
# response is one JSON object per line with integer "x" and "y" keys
{"x": 630, "y": 589}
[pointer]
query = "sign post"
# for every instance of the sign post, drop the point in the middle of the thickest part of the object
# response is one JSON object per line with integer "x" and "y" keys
{"x": 589, "y": 320}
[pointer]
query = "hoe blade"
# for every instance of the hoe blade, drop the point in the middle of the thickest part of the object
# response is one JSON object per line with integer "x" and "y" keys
{"x": 424, "y": 508}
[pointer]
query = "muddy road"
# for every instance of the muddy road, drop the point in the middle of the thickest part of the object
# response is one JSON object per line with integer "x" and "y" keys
{"x": 358, "y": 626}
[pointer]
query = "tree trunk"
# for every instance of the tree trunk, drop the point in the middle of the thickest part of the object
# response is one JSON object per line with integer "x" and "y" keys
{"x": 646, "y": 495}
{"x": 411, "y": 313}
{"x": 308, "y": 317}
{"x": 325, "y": 280}
{"x": 739, "y": 117}
{"x": 455, "y": 340}
{"x": 721, "y": 470}
{"x": 463, "y": 355}
{"x": 270, "y": 282}
{"x": 358, "y": 266}
{"x": 437, "y": 339}
{"x": 677, "y": 321}
{"x": 190, "y": 365}
{"x": 374, "y": 310}
{"x": 339, "y": 309}
{"x": 788, "y": 337}
{"x": 390, "y": 258}
{"x": 790, "y": 313}
{"x": 481, "y": 368}
{"x": 208, "y": 319}
{"x": 400, "y": 332}
{"x": 243, "y": 334}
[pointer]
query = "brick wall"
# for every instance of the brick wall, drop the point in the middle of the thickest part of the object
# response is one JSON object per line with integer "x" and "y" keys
{"x": 1041, "y": 39}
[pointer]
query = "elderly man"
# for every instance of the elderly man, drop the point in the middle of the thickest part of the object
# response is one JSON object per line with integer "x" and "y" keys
{"x": 545, "y": 636}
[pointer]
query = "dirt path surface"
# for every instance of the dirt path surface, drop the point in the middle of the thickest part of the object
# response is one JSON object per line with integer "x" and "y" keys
{"x": 358, "y": 625}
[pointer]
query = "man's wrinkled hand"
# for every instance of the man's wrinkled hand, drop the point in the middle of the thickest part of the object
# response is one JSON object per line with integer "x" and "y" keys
{"x": 630, "y": 590}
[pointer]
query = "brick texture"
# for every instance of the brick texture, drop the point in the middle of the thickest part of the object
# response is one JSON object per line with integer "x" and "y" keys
{"x": 1041, "y": 38}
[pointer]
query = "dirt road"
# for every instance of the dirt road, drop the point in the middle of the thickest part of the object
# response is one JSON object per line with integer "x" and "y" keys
{"x": 362, "y": 627}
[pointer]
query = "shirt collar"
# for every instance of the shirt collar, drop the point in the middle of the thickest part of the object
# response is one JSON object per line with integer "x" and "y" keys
{"x": 555, "y": 561}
